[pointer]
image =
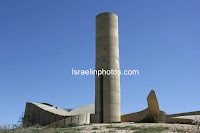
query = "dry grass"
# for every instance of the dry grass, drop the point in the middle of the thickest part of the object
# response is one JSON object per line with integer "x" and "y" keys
{"x": 194, "y": 129}
{"x": 126, "y": 127}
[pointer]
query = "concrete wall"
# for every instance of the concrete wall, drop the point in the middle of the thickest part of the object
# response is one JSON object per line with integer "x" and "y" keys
{"x": 179, "y": 120}
{"x": 183, "y": 114}
{"x": 151, "y": 114}
{"x": 107, "y": 89}
{"x": 36, "y": 115}
{"x": 135, "y": 117}
{"x": 182, "y": 117}
{"x": 80, "y": 119}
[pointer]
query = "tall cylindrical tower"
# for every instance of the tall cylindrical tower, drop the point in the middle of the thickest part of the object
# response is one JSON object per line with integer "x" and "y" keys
{"x": 107, "y": 87}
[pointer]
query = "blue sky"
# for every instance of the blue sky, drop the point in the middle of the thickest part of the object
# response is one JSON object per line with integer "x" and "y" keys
{"x": 41, "y": 41}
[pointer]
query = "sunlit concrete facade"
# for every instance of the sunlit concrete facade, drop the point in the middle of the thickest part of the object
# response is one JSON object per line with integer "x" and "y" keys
{"x": 107, "y": 87}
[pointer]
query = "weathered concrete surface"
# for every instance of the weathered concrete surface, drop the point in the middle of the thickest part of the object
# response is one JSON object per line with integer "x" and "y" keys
{"x": 153, "y": 114}
{"x": 191, "y": 117}
{"x": 80, "y": 119}
{"x": 187, "y": 117}
{"x": 148, "y": 115}
{"x": 84, "y": 109}
{"x": 107, "y": 87}
{"x": 183, "y": 114}
{"x": 153, "y": 107}
{"x": 42, "y": 114}
{"x": 94, "y": 118}
{"x": 135, "y": 117}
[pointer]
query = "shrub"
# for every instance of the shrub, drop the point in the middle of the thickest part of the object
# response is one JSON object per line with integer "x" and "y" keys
{"x": 72, "y": 124}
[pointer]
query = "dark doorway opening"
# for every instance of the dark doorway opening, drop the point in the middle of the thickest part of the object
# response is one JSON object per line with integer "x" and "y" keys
{"x": 101, "y": 98}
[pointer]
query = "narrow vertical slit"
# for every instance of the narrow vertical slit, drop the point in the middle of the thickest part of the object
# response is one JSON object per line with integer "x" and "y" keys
{"x": 101, "y": 98}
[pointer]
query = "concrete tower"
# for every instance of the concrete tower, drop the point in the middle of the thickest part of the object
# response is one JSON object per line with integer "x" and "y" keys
{"x": 107, "y": 87}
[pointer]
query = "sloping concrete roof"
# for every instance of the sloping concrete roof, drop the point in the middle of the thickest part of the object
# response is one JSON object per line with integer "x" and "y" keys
{"x": 186, "y": 117}
{"x": 90, "y": 108}
{"x": 81, "y": 110}
{"x": 191, "y": 117}
{"x": 52, "y": 109}
{"x": 84, "y": 109}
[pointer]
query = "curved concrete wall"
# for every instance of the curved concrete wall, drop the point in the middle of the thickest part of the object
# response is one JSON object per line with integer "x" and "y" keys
{"x": 107, "y": 97}
{"x": 41, "y": 114}
{"x": 187, "y": 117}
{"x": 183, "y": 114}
{"x": 80, "y": 119}
{"x": 136, "y": 117}
{"x": 45, "y": 114}
{"x": 147, "y": 115}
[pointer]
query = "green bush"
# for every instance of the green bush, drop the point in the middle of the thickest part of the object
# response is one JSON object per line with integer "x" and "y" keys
{"x": 72, "y": 124}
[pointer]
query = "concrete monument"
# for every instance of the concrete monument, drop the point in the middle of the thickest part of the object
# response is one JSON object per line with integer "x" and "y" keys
{"x": 107, "y": 91}
{"x": 151, "y": 114}
{"x": 107, "y": 87}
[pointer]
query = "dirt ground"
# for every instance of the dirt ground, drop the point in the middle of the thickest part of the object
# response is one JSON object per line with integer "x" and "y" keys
{"x": 129, "y": 127}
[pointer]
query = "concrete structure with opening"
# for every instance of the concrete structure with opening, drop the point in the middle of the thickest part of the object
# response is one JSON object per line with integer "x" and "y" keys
{"x": 107, "y": 87}
{"x": 107, "y": 91}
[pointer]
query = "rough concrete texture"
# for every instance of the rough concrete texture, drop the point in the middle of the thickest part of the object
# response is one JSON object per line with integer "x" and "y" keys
{"x": 147, "y": 115}
{"x": 187, "y": 117}
{"x": 153, "y": 114}
{"x": 45, "y": 114}
{"x": 80, "y": 119}
{"x": 84, "y": 109}
{"x": 153, "y": 107}
{"x": 42, "y": 114}
{"x": 94, "y": 118}
{"x": 107, "y": 87}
